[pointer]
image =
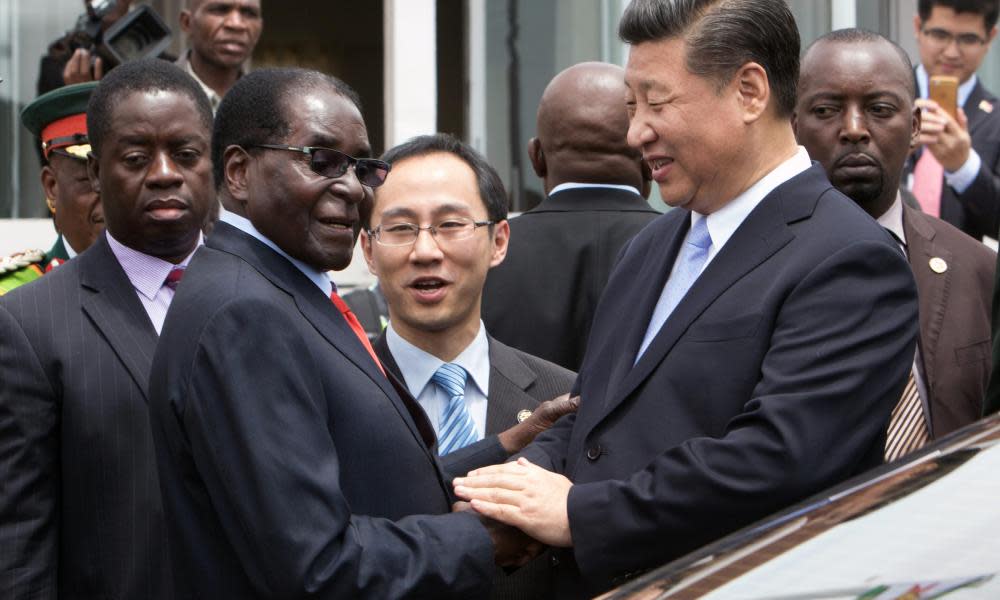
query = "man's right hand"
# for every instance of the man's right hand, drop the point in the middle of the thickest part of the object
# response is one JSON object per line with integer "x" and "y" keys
{"x": 77, "y": 70}
{"x": 544, "y": 416}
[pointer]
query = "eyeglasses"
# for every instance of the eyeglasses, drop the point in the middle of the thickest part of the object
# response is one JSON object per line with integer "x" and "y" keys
{"x": 405, "y": 234}
{"x": 943, "y": 37}
{"x": 333, "y": 163}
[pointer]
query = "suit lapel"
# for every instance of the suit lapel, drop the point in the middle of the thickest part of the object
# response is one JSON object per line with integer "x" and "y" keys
{"x": 110, "y": 301}
{"x": 973, "y": 111}
{"x": 654, "y": 271}
{"x": 509, "y": 378}
{"x": 395, "y": 376}
{"x": 762, "y": 233}
{"x": 317, "y": 309}
{"x": 932, "y": 287}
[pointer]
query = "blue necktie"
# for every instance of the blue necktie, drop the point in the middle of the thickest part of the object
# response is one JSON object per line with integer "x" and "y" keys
{"x": 690, "y": 261}
{"x": 455, "y": 429}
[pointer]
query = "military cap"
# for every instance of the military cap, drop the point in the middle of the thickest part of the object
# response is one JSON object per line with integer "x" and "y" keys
{"x": 59, "y": 119}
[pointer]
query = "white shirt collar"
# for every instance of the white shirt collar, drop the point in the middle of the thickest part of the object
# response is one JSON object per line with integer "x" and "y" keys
{"x": 574, "y": 186}
{"x": 318, "y": 277}
{"x": 964, "y": 89}
{"x": 723, "y": 223}
{"x": 418, "y": 366}
{"x": 892, "y": 219}
{"x": 70, "y": 252}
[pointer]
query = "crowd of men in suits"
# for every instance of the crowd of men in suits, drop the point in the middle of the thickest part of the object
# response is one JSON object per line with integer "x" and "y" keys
{"x": 560, "y": 401}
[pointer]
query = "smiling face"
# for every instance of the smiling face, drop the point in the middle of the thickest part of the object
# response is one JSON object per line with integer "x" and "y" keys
{"x": 311, "y": 217}
{"x": 951, "y": 58}
{"x": 855, "y": 116}
{"x": 690, "y": 134}
{"x": 223, "y": 32}
{"x": 433, "y": 286}
{"x": 154, "y": 174}
{"x": 78, "y": 214}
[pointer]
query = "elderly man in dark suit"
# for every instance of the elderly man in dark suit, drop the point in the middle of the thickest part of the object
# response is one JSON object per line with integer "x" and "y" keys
{"x": 751, "y": 343}
{"x": 485, "y": 400}
{"x": 561, "y": 252}
{"x": 80, "y": 507}
{"x": 856, "y": 116}
{"x": 290, "y": 463}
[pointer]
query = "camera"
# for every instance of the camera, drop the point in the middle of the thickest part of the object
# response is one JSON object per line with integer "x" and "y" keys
{"x": 137, "y": 34}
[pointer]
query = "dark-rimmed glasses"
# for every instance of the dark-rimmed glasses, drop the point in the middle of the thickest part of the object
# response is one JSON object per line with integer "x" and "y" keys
{"x": 333, "y": 163}
{"x": 405, "y": 234}
{"x": 943, "y": 37}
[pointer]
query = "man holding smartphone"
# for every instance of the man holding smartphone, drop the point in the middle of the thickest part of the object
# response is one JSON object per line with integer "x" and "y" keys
{"x": 955, "y": 174}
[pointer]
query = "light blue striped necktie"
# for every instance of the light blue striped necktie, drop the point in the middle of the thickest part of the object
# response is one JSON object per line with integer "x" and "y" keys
{"x": 690, "y": 261}
{"x": 455, "y": 429}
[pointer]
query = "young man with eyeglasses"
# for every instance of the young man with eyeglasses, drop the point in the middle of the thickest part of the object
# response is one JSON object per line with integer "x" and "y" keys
{"x": 291, "y": 463}
{"x": 955, "y": 174}
{"x": 435, "y": 229}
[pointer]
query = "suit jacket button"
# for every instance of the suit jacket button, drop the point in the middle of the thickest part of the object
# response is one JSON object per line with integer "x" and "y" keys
{"x": 594, "y": 452}
{"x": 554, "y": 560}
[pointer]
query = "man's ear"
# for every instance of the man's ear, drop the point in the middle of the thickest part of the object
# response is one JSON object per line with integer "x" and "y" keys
{"x": 236, "y": 164}
{"x": 366, "y": 248}
{"x": 50, "y": 186}
{"x": 537, "y": 157}
{"x": 754, "y": 90}
{"x": 917, "y": 25}
{"x": 185, "y": 20}
{"x": 501, "y": 238}
{"x": 915, "y": 134}
{"x": 93, "y": 172}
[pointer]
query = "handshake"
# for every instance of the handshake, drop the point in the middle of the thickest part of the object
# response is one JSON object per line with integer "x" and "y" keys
{"x": 522, "y": 505}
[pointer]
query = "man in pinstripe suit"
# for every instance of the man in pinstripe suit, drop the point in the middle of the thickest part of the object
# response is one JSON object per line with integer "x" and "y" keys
{"x": 80, "y": 507}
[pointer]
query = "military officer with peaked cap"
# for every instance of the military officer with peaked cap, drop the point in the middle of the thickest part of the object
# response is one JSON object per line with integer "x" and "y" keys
{"x": 58, "y": 120}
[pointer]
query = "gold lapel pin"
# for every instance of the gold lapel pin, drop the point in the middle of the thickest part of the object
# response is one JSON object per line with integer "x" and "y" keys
{"x": 522, "y": 415}
{"x": 938, "y": 265}
{"x": 986, "y": 106}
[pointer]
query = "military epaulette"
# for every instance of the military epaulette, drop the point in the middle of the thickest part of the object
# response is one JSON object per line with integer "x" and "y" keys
{"x": 15, "y": 262}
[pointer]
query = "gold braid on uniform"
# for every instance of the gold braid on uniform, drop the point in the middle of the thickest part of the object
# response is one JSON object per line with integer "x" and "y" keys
{"x": 9, "y": 264}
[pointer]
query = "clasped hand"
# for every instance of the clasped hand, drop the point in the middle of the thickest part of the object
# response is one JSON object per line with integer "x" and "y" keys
{"x": 523, "y": 495}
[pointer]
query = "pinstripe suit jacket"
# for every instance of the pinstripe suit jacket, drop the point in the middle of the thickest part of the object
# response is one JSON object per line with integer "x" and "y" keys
{"x": 80, "y": 508}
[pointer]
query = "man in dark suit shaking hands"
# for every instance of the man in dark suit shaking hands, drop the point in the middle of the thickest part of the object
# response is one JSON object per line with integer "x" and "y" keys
{"x": 291, "y": 464}
{"x": 80, "y": 508}
{"x": 750, "y": 344}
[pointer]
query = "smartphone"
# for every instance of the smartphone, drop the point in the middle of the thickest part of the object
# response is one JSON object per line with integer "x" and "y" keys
{"x": 944, "y": 91}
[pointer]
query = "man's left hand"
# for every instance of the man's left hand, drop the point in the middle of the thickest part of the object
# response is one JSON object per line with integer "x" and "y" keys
{"x": 947, "y": 138}
{"x": 523, "y": 495}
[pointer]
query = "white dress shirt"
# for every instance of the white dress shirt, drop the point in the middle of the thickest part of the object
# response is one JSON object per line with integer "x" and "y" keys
{"x": 575, "y": 186}
{"x": 418, "y": 366}
{"x": 147, "y": 275}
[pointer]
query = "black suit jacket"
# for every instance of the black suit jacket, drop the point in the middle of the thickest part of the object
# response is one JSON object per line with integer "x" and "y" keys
{"x": 772, "y": 379}
{"x": 518, "y": 381}
{"x": 954, "y": 318}
{"x": 976, "y": 211}
{"x": 541, "y": 299}
{"x": 80, "y": 508}
{"x": 290, "y": 464}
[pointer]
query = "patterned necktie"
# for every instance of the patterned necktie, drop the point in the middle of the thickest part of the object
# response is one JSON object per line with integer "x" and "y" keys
{"x": 690, "y": 261}
{"x": 174, "y": 277}
{"x": 907, "y": 429}
{"x": 928, "y": 180}
{"x": 455, "y": 429}
{"x": 355, "y": 326}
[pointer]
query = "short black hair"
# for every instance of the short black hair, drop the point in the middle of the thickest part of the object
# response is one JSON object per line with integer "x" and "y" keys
{"x": 989, "y": 9}
{"x": 723, "y": 35}
{"x": 142, "y": 75}
{"x": 491, "y": 190}
{"x": 854, "y": 35}
{"x": 253, "y": 111}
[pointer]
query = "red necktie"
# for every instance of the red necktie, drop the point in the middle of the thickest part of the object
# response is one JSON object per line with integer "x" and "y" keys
{"x": 174, "y": 277}
{"x": 928, "y": 179}
{"x": 355, "y": 326}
